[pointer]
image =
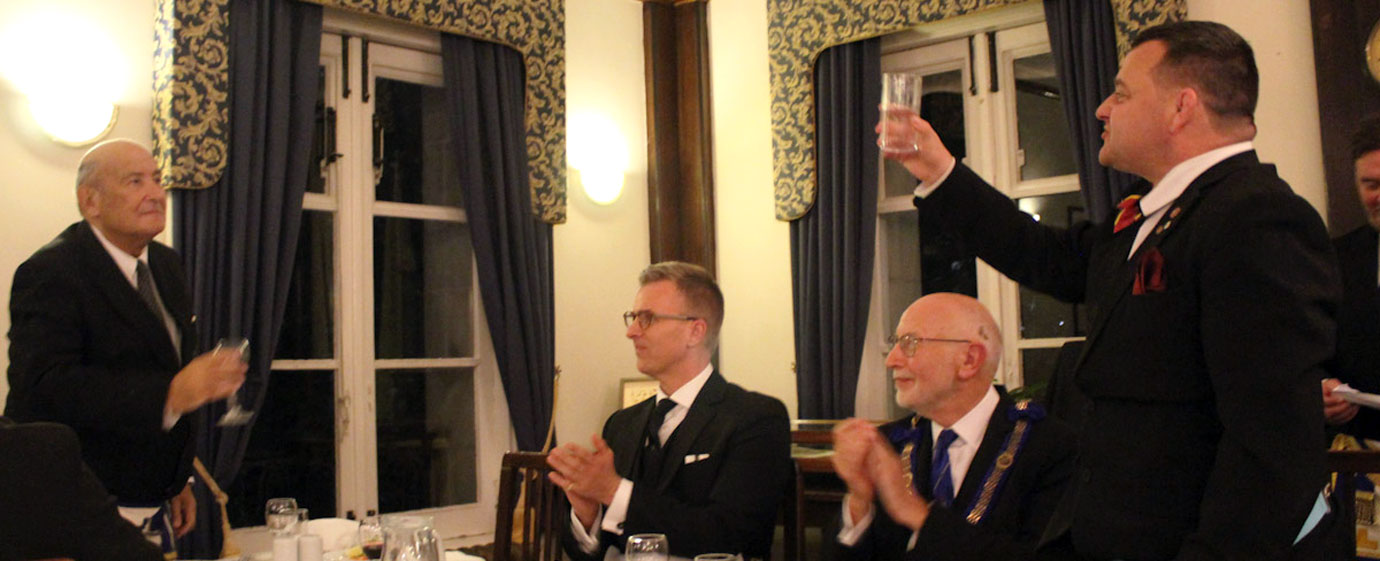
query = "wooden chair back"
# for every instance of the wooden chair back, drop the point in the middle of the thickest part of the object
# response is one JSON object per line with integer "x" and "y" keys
{"x": 530, "y": 510}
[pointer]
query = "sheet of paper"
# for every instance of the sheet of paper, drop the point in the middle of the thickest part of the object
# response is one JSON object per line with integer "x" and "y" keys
{"x": 1360, "y": 398}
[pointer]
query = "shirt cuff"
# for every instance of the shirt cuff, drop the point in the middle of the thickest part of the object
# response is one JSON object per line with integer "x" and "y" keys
{"x": 170, "y": 419}
{"x": 588, "y": 543}
{"x": 852, "y": 531}
{"x": 617, "y": 510}
{"x": 923, "y": 189}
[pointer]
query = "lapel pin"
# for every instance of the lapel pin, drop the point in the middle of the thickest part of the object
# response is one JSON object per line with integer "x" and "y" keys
{"x": 1175, "y": 212}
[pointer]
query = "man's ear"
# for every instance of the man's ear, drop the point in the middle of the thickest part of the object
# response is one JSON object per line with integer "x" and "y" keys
{"x": 973, "y": 358}
{"x": 1187, "y": 108}
{"x": 87, "y": 197}
{"x": 699, "y": 329}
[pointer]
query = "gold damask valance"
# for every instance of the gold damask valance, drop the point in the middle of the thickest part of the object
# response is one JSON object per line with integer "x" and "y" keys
{"x": 799, "y": 30}
{"x": 191, "y": 81}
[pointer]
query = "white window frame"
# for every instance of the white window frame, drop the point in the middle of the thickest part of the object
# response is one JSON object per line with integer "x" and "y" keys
{"x": 399, "y": 53}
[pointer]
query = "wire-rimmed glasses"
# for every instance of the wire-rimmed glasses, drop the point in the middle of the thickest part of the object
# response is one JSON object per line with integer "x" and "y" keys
{"x": 909, "y": 342}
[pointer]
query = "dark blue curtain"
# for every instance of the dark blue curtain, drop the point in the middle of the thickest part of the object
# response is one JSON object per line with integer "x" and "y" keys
{"x": 832, "y": 245}
{"x": 512, "y": 248}
{"x": 238, "y": 238}
{"x": 1082, "y": 40}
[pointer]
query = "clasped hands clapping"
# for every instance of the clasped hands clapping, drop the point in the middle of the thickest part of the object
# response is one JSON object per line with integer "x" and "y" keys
{"x": 865, "y": 462}
{"x": 587, "y": 475}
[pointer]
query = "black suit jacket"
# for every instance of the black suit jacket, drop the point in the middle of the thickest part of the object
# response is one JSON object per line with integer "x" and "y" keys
{"x": 1019, "y": 512}
{"x": 726, "y": 469}
{"x": 53, "y": 506}
{"x": 1358, "y": 323}
{"x": 85, "y": 351}
{"x": 1201, "y": 438}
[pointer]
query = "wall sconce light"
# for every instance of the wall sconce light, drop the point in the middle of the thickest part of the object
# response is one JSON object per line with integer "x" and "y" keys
{"x": 599, "y": 152}
{"x": 70, "y": 71}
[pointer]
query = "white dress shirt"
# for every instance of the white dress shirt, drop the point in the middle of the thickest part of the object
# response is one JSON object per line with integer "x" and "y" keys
{"x": 970, "y": 429}
{"x": 611, "y": 518}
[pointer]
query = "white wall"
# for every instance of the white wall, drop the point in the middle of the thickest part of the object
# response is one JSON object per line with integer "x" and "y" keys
{"x": 36, "y": 181}
{"x": 600, "y": 249}
{"x": 1287, "y": 114}
{"x": 758, "y": 341}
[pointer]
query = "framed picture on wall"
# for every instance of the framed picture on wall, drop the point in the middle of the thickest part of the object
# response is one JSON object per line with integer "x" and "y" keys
{"x": 634, "y": 390}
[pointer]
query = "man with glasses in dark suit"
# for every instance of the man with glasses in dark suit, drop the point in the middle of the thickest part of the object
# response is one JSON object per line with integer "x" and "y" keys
{"x": 705, "y": 462}
{"x": 995, "y": 468}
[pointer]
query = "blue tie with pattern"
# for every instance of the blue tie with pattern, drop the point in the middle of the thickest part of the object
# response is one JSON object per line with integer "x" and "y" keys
{"x": 941, "y": 483}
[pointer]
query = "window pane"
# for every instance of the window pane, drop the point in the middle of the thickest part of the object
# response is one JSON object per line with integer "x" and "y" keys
{"x": 422, "y": 287}
{"x": 413, "y": 155}
{"x": 1037, "y": 367}
{"x": 316, "y": 176}
{"x": 291, "y": 450}
{"x": 426, "y": 438}
{"x": 1040, "y": 123}
{"x": 902, "y": 235}
{"x": 309, "y": 320}
{"x": 1042, "y": 315}
{"x": 942, "y": 106}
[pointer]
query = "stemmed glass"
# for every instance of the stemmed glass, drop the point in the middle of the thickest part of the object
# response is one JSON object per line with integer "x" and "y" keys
{"x": 235, "y": 415}
{"x": 280, "y": 514}
{"x": 647, "y": 547}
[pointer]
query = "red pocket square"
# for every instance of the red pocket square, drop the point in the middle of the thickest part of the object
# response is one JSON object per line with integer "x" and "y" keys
{"x": 1150, "y": 275}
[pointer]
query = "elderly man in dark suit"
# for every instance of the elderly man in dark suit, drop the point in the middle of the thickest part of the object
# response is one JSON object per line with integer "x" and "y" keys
{"x": 102, "y": 340}
{"x": 1212, "y": 300}
{"x": 705, "y": 462}
{"x": 994, "y": 467}
{"x": 53, "y": 506}
{"x": 1358, "y": 320}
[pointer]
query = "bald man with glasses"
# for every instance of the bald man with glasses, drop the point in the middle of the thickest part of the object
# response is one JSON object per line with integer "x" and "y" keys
{"x": 705, "y": 462}
{"x": 973, "y": 474}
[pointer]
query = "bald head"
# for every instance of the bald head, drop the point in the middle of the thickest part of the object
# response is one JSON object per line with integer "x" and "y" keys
{"x": 959, "y": 316}
{"x": 101, "y": 155}
{"x": 956, "y": 349}
{"x": 120, "y": 194}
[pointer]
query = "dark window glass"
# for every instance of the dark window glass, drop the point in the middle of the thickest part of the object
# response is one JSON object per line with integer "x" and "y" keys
{"x": 1042, "y": 129}
{"x": 309, "y": 319}
{"x": 422, "y": 289}
{"x": 1037, "y": 368}
{"x": 426, "y": 438}
{"x": 413, "y": 155}
{"x": 1042, "y": 315}
{"x": 291, "y": 450}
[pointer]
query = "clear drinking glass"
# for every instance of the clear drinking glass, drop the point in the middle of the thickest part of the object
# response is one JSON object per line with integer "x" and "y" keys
{"x": 900, "y": 101}
{"x": 647, "y": 547}
{"x": 280, "y": 514}
{"x": 371, "y": 537}
{"x": 234, "y": 415}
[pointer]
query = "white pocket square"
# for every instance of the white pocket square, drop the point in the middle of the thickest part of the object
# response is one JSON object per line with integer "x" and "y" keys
{"x": 692, "y": 458}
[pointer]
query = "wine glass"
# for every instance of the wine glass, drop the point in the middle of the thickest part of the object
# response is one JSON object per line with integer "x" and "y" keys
{"x": 234, "y": 415}
{"x": 280, "y": 514}
{"x": 371, "y": 537}
{"x": 647, "y": 547}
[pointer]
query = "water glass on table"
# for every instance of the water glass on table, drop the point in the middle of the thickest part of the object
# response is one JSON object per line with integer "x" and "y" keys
{"x": 647, "y": 547}
{"x": 234, "y": 414}
{"x": 280, "y": 514}
{"x": 900, "y": 101}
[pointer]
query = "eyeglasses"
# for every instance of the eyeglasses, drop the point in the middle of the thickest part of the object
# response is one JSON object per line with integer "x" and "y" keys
{"x": 645, "y": 318}
{"x": 908, "y": 343}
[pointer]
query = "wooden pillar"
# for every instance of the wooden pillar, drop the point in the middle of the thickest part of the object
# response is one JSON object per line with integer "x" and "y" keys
{"x": 1346, "y": 93}
{"x": 680, "y": 158}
